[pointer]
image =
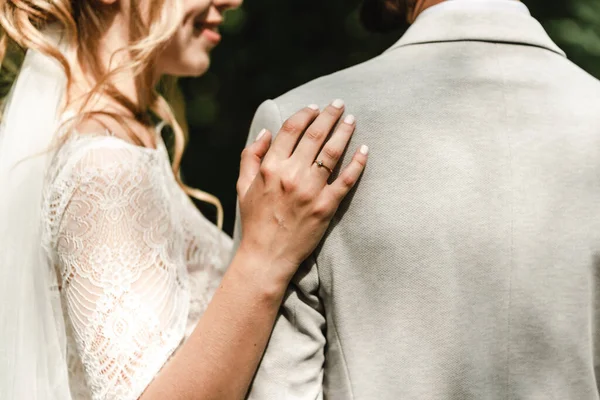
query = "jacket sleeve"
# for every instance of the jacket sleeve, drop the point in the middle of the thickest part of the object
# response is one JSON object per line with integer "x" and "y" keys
{"x": 292, "y": 366}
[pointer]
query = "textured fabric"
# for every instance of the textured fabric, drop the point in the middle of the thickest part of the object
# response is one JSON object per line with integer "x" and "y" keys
{"x": 466, "y": 263}
{"x": 137, "y": 262}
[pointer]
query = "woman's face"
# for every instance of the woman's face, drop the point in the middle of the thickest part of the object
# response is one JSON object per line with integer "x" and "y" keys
{"x": 188, "y": 53}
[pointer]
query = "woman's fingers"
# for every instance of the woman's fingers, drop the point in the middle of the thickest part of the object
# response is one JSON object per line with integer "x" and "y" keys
{"x": 293, "y": 190}
{"x": 330, "y": 155}
{"x": 290, "y": 132}
{"x": 337, "y": 191}
{"x": 317, "y": 132}
{"x": 251, "y": 159}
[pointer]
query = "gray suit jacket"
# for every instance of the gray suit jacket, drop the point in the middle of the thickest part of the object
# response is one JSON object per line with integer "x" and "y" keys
{"x": 466, "y": 265}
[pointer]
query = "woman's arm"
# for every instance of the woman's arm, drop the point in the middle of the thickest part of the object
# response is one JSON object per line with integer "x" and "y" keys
{"x": 219, "y": 359}
{"x": 286, "y": 205}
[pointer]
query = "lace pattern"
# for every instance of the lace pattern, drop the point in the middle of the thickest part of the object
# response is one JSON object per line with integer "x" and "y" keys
{"x": 137, "y": 263}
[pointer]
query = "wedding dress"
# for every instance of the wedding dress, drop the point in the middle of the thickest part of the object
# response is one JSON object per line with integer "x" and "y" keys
{"x": 106, "y": 265}
{"x": 137, "y": 263}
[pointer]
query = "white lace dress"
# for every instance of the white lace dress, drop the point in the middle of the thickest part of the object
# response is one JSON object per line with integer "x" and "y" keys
{"x": 137, "y": 263}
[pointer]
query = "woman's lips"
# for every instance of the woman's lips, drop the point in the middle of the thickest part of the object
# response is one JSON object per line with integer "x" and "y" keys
{"x": 210, "y": 31}
{"x": 211, "y": 35}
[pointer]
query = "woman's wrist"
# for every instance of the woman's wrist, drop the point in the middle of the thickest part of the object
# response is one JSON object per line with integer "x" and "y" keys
{"x": 268, "y": 277}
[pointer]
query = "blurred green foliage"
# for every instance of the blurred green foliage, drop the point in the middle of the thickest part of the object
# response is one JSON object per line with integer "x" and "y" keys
{"x": 272, "y": 46}
{"x": 10, "y": 68}
{"x": 579, "y": 33}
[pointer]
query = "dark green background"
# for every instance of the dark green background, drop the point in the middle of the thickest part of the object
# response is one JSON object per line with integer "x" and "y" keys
{"x": 272, "y": 46}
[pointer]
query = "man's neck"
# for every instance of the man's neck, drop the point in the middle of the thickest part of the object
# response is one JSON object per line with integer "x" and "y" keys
{"x": 419, "y": 6}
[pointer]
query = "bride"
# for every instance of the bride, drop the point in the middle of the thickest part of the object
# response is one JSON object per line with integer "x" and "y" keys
{"x": 107, "y": 270}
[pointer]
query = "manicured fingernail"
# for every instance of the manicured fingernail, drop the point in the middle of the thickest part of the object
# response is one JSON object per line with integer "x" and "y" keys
{"x": 338, "y": 103}
{"x": 261, "y": 134}
{"x": 350, "y": 119}
{"x": 313, "y": 107}
{"x": 364, "y": 150}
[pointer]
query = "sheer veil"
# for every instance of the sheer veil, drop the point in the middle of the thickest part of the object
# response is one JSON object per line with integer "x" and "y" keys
{"x": 32, "y": 334}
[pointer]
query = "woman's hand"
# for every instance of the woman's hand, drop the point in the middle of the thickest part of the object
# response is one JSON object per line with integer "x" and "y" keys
{"x": 286, "y": 202}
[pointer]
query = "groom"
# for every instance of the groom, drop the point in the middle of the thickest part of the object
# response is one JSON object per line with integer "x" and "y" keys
{"x": 467, "y": 263}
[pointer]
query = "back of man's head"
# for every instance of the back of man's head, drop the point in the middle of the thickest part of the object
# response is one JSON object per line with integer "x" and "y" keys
{"x": 389, "y": 15}
{"x": 384, "y": 15}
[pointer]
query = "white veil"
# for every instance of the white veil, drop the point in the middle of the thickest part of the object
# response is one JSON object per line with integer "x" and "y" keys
{"x": 32, "y": 334}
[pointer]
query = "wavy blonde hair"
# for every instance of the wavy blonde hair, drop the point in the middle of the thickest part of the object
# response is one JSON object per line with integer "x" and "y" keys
{"x": 22, "y": 22}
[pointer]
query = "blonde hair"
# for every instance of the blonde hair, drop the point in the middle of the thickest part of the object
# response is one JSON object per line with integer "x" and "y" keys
{"x": 23, "y": 22}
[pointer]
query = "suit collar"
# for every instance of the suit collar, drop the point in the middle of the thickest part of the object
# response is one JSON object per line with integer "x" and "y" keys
{"x": 495, "y": 26}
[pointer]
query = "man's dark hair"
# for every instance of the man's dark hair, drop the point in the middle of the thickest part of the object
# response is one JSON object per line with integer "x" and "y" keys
{"x": 384, "y": 15}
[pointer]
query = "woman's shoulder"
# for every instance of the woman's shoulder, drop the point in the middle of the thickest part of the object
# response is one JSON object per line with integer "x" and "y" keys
{"x": 92, "y": 165}
{"x": 81, "y": 159}
{"x": 82, "y": 156}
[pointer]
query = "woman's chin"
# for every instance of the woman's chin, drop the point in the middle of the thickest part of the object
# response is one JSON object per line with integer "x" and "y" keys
{"x": 193, "y": 68}
{"x": 199, "y": 70}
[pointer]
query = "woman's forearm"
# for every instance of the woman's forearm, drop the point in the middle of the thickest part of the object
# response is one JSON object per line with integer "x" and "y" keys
{"x": 219, "y": 359}
{"x": 286, "y": 204}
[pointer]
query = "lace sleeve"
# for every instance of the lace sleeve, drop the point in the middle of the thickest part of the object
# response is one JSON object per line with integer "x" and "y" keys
{"x": 123, "y": 279}
{"x": 208, "y": 252}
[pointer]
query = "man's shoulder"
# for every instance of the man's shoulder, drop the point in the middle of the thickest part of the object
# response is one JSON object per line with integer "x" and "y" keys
{"x": 418, "y": 73}
{"x": 345, "y": 84}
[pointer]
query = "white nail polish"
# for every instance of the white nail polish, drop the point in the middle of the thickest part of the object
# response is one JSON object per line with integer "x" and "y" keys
{"x": 261, "y": 134}
{"x": 338, "y": 103}
{"x": 313, "y": 107}
{"x": 364, "y": 150}
{"x": 350, "y": 119}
